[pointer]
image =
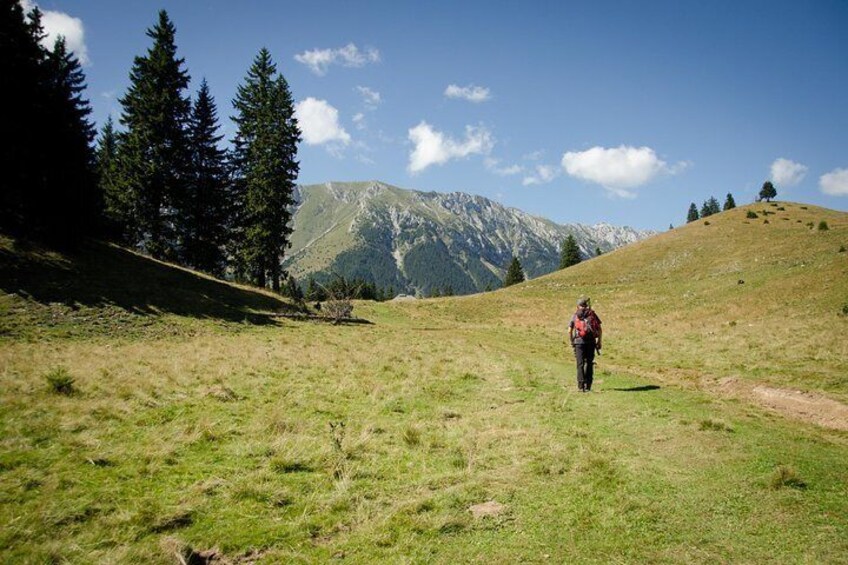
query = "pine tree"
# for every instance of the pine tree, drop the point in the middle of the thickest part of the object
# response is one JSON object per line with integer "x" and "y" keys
{"x": 47, "y": 161}
{"x": 570, "y": 253}
{"x": 515, "y": 273}
{"x": 202, "y": 224}
{"x": 710, "y": 207}
{"x": 264, "y": 158}
{"x": 22, "y": 69}
{"x": 767, "y": 192}
{"x": 154, "y": 150}
{"x": 598, "y": 252}
{"x": 693, "y": 213}
{"x": 117, "y": 208}
{"x": 71, "y": 202}
{"x": 729, "y": 203}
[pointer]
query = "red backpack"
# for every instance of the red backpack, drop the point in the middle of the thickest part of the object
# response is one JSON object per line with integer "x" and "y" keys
{"x": 588, "y": 326}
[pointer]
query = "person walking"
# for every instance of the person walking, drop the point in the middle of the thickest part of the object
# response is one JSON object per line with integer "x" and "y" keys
{"x": 584, "y": 332}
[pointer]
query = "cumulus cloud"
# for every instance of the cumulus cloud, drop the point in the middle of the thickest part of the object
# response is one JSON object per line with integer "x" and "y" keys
{"x": 319, "y": 122}
{"x": 371, "y": 98}
{"x": 618, "y": 169}
{"x": 495, "y": 166}
{"x": 319, "y": 60}
{"x": 471, "y": 93}
{"x": 543, "y": 174}
{"x": 60, "y": 23}
{"x": 787, "y": 173}
{"x": 435, "y": 148}
{"x": 835, "y": 182}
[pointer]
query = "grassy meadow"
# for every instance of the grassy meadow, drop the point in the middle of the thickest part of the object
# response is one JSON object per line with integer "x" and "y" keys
{"x": 197, "y": 426}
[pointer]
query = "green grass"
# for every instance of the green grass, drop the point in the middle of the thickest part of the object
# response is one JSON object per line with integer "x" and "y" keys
{"x": 304, "y": 442}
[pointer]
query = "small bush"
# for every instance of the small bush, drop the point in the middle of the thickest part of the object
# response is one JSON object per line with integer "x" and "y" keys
{"x": 781, "y": 208}
{"x": 751, "y": 214}
{"x": 706, "y": 223}
{"x": 842, "y": 249}
{"x": 60, "y": 381}
{"x": 823, "y": 226}
{"x": 803, "y": 207}
{"x": 785, "y": 476}
{"x": 845, "y": 309}
{"x": 809, "y": 225}
{"x": 772, "y": 203}
{"x": 765, "y": 221}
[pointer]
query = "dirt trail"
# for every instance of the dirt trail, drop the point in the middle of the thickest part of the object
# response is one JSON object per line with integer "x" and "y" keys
{"x": 811, "y": 407}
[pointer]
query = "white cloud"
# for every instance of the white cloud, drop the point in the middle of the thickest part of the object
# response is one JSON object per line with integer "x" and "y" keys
{"x": 494, "y": 165}
{"x": 359, "y": 120}
{"x": 371, "y": 98}
{"x": 60, "y": 23}
{"x": 787, "y": 173}
{"x": 835, "y": 182}
{"x": 618, "y": 169}
{"x": 319, "y": 60}
{"x": 435, "y": 148}
{"x": 542, "y": 175}
{"x": 471, "y": 93}
{"x": 319, "y": 122}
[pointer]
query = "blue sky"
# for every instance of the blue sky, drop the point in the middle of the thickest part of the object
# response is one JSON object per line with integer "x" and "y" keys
{"x": 619, "y": 112}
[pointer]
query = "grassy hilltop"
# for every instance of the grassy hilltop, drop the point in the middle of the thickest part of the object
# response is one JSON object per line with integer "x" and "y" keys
{"x": 197, "y": 424}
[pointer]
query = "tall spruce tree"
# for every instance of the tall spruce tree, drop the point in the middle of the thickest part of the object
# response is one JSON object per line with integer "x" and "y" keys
{"x": 710, "y": 207}
{"x": 117, "y": 207}
{"x": 71, "y": 201}
{"x": 693, "y": 213}
{"x": 729, "y": 203}
{"x": 203, "y": 219}
{"x": 570, "y": 253}
{"x": 47, "y": 160}
{"x": 515, "y": 273}
{"x": 266, "y": 167}
{"x": 154, "y": 151}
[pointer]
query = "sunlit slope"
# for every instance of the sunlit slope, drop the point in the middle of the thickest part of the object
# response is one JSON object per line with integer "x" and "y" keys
{"x": 730, "y": 296}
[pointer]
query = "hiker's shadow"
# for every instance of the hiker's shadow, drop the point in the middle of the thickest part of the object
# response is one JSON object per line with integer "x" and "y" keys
{"x": 643, "y": 388}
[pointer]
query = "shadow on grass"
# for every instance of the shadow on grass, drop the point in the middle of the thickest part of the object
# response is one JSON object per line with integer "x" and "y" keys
{"x": 643, "y": 388}
{"x": 99, "y": 275}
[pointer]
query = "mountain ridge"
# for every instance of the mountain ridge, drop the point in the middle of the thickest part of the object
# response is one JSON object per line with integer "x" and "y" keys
{"x": 420, "y": 242}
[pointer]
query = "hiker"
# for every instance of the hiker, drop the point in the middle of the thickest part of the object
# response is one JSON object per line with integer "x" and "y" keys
{"x": 584, "y": 331}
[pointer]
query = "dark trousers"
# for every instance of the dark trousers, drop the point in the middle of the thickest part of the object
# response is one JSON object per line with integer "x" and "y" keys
{"x": 585, "y": 355}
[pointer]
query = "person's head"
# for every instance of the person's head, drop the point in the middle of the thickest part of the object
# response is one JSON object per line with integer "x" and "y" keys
{"x": 583, "y": 302}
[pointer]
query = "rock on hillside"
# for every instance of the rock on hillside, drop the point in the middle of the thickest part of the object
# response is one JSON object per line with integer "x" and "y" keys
{"x": 420, "y": 242}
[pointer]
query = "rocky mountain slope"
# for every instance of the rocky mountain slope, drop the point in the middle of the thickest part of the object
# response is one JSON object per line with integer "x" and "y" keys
{"x": 421, "y": 242}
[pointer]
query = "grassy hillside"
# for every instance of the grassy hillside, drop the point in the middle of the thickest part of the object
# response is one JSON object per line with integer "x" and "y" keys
{"x": 307, "y": 443}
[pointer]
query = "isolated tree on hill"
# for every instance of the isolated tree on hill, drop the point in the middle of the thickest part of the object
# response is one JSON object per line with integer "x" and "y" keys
{"x": 203, "y": 221}
{"x": 767, "y": 192}
{"x": 598, "y": 252}
{"x": 730, "y": 203}
{"x": 710, "y": 207}
{"x": 570, "y": 253}
{"x": 154, "y": 151}
{"x": 693, "y": 213}
{"x": 266, "y": 168}
{"x": 515, "y": 273}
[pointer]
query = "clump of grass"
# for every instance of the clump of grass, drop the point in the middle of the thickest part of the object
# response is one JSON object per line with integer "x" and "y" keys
{"x": 751, "y": 215}
{"x": 841, "y": 249}
{"x": 707, "y": 223}
{"x": 411, "y": 436}
{"x": 714, "y": 425}
{"x": 781, "y": 208}
{"x": 785, "y": 476}
{"x": 823, "y": 226}
{"x": 60, "y": 381}
{"x": 765, "y": 221}
{"x": 845, "y": 309}
{"x": 809, "y": 225}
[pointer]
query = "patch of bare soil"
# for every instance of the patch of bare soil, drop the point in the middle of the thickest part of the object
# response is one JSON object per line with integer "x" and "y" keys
{"x": 799, "y": 405}
{"x": 487, "y": 509}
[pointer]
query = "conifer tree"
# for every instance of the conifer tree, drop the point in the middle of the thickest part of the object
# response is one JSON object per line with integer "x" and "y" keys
{"x": 729, "y": 203}
{"x": 570, "y": 253}
{"x": 154, "y": 150}
{"x": 202, "y": 223}
{"x": 598, "y": 252}
{"x": 117, "y": 207}
{"x": 515, "y": 273}
{"x": 693, "y": 213}
{"x": 710, "y": 207}
{"x": 767, "y": 192}
{"x": 265, "y": 165}
{"x": 71, "y": 204}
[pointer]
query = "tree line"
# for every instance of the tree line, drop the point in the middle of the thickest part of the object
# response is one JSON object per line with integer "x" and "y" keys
{"x": 159, "y": 180}
{"x": 710, "y": 206}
